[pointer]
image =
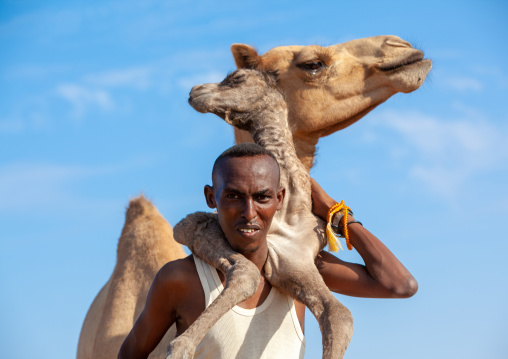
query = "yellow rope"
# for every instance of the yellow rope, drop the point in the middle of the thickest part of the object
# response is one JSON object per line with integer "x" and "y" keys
{"x": 333, "y": 244}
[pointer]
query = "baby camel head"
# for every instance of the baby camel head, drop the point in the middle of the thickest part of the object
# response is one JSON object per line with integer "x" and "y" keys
{"x": 241, "y": 95}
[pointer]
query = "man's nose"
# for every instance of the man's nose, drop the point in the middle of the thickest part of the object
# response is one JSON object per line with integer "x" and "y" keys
{"x": 249, "y": 210}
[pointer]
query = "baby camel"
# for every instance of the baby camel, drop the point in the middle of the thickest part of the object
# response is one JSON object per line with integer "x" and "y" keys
{"x": 250, "y": 100}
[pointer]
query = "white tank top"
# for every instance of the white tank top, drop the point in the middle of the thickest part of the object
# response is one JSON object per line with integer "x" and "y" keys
{"x": 269, "y": 331}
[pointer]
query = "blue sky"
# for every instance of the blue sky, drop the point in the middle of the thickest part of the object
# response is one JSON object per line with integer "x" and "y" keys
{"x": 94, "y": 111}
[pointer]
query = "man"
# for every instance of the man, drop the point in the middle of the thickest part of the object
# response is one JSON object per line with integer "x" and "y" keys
{"x": 246, "y": 194}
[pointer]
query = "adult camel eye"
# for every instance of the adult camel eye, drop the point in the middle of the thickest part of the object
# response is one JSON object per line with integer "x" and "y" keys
{"x": 313, "y": 66}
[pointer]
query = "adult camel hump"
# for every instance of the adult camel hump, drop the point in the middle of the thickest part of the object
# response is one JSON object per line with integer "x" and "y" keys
{"x": 326, "y": 89}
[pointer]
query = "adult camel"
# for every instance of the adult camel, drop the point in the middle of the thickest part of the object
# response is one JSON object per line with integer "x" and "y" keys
{"x": 326, "y": 89}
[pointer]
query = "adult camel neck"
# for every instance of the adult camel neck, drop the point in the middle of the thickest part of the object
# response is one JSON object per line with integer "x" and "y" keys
{"x": 305, "y": 146}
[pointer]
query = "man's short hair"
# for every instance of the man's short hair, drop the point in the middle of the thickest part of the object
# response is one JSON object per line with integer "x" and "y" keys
{"x": 242, "y": 150}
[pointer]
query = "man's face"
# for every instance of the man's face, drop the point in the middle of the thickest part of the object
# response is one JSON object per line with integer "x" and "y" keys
{"x": 246, "y": 194}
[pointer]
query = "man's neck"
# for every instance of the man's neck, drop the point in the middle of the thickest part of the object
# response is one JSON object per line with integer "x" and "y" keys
{"x": 258, "y": 257}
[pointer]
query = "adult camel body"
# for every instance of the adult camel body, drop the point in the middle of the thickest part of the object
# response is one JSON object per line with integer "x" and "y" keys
{"x": 326, "y": 89}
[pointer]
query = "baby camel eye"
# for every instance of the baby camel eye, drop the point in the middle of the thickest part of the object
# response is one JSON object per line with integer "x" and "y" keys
{"x": 232, "y": 81}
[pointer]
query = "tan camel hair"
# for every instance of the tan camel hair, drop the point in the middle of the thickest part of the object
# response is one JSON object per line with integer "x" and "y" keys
{"x": 343, "y": 81}
{"x": 250, "y": 100}
{"x": 145, "y": 245}
{"x": 330, "y": 88}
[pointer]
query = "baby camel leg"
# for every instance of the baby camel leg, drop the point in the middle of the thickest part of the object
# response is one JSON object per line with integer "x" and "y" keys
{"x": 302, "y": 281}
{"x": 205, "y": 238}
{"x": 242, "y": 279}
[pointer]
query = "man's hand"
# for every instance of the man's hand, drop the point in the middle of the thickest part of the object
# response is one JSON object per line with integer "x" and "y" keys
{"x": 321, "y": 201}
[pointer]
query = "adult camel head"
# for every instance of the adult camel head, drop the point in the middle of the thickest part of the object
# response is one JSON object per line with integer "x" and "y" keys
{"x": 330, "y": 88}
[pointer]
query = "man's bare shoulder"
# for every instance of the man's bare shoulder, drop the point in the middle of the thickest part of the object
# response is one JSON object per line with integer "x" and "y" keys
{"x": 179, "y": 288}
{"x": 178, "y": 273}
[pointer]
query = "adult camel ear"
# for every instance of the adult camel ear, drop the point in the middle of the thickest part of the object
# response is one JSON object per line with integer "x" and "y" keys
{"x": 246, "y": 57}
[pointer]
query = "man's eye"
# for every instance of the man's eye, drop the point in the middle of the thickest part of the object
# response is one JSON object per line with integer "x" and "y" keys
{"x": 232, "y": 196}
{"x": 263, "y": 198}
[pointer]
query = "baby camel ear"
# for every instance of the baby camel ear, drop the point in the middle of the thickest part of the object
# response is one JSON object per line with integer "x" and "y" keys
{"x": 246, "y": 57}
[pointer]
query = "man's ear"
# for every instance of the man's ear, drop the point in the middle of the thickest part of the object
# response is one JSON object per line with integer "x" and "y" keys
{"x": 210, "y": 197}
{"x": 281, "y": 193}
{"x": 246, "y": 57}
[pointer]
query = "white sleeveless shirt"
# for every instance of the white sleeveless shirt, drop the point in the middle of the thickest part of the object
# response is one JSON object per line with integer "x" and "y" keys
{"x": 269, "y": 331}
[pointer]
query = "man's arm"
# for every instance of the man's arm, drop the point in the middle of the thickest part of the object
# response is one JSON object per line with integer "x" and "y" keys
{"x": 382, "y": 276}
{"x": 158, "y": 315}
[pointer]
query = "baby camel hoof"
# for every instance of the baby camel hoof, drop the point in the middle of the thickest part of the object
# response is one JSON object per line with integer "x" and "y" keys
{"x": 180, "y": 348}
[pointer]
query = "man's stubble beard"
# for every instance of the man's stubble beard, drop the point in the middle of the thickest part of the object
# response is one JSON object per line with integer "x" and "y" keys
{"x": 247, "y": 251}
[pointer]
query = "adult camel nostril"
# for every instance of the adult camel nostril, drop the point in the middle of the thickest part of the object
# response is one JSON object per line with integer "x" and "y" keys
{"x": 399, "y": 43}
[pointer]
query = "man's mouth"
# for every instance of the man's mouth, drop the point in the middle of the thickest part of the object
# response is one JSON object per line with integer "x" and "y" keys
{"x": 248, "y": 230}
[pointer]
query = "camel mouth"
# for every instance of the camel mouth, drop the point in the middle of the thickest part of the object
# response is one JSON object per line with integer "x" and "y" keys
{"x": 197, "y": 102}
{"x": 408, "y": 61}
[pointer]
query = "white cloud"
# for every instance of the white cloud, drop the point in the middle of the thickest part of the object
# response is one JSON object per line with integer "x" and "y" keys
{"x": 464, "y": 84}
{"x": 482, "y": 69}
{"x": 448, "y": 153}
{"x": 45, "y": 186}
{"x": 433, "y": 136}
{"x": 31, "y": 115}
{"x": 32, "y": 71}
{"x": 494, "y": 73}
{"x": 49, "y": 22}
{"x": 11, "y": 126}
{"x": 469, "y": 112}
{"x": 83, "y": 98}
{"x": 110, "y": 89}
{"x": 27, "y": 185}
{"x": 136, "y": 77}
